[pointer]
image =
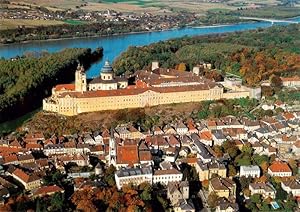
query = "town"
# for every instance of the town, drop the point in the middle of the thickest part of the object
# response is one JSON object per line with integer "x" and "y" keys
{"x": 236, "y": 162}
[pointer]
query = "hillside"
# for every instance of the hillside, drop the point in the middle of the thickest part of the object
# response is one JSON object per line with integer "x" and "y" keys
{"x": 254, "y": 55}
{"x": 25, "y": 81}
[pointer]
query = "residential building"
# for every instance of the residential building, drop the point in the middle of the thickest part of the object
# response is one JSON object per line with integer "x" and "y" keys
{"x": 208, "y": 170}
{"x": 47, "y": 191}
{"x": 250, "y": 171}
{"x": 291, "y": 81}
{"x": 29, "y": 181}
{"x": 178, "y": 191}
{"x": 223, "y": 187}
{"x": 291, "y": 186}
{"x": 167, "y": 176}
{"x": 135, "y": 176}
{"x": 224, "y": 205}
{"x": 265, "y": 189}
{"x": 279, "y": 169}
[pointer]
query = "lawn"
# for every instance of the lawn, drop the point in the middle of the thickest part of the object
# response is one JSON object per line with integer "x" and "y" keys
{"x": 74, "y": 22}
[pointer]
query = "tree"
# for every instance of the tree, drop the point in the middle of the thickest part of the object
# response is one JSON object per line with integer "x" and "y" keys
{"x": 231, "y": 170}
{"x": 293, "y": 165}
{"x": 233, "y": 151}
{"x": 203, "y": 114}
{"x": 280, "y": 193}
{"x": 264, "y": 166}
{"x": 109, "y": 175}
{"x": 146, "y": 194}
{"x": 256, "y": 198}
{"x": 290, "y": 203}
{"x": 181, "y": 67}
{"x": 57, "y": 201}
{"x": 259, "y": 159}
{"x": 247, "y": 192}
{"x": 265, "y": 207}
{"x": 218, "y": 150}
{"x": 212, "y": 199}
{"x": 276, "y": 81}
{"x": 247, "y": 148}
{"x": 245, "y": 181}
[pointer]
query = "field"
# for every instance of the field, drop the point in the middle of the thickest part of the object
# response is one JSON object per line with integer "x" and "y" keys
{"x": 201, "y": 8}
{"x": 144, "y": 5}
{"x": 14, "y": 23}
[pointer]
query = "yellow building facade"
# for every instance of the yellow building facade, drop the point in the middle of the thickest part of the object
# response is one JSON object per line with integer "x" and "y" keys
{"x": 152, "y": 88}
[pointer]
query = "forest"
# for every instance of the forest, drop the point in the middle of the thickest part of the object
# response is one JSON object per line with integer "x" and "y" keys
{"x": 254, "y": 55}
{"x": 25, "y": 81}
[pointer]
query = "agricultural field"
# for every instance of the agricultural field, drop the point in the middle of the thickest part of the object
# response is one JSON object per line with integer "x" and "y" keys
{"x": 144, "y": 5}
{"x": 14, "y": 23}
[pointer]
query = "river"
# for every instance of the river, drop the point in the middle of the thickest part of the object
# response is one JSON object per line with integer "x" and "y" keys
{"x": 114, "y": 45}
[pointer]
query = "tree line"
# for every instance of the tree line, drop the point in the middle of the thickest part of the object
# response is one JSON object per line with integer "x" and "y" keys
{"x": 255, "y": 55}
{"x": 25, "y": 81}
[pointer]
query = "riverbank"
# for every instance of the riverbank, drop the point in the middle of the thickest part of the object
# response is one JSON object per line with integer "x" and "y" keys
{"x": 125, "y": 33}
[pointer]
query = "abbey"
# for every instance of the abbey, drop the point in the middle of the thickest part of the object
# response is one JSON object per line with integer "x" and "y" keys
{"x": 149, "y": 88}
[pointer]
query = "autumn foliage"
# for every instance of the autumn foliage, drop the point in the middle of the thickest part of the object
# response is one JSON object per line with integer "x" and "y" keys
{"x": 128, "y": 199}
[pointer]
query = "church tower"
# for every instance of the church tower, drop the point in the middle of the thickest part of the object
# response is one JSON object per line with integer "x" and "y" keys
{"x": 112, "y": 150}
{"x": 80, "y": 79}
{"x": 107, "y": 72}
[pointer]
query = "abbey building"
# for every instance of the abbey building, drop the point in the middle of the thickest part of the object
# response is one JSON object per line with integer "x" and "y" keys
{"x": 148, "y": 88}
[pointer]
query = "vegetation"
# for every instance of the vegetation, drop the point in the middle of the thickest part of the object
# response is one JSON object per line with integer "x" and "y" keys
{"x": 144, "y": 197}
{"x": 25, "y": 81}
{"x": 254, "y": 55}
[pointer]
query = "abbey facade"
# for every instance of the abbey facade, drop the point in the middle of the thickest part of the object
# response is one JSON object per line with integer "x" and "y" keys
{"x": 150, "y": 88}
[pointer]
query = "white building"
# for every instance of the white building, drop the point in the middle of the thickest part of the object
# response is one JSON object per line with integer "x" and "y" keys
{"x": 166, "y": 176}
{"x": 249, "y": 171}
{"x": 292, "y": 186}
{"x": 279, "y": 169}
{"x": 266, "y": 190}
{"x": 135, "y": 176}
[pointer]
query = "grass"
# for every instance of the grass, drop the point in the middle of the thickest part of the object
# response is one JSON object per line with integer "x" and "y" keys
{"x": 74, "y": 22}
{"x": 14, "y": 23}
{"x": 271, "y": 12}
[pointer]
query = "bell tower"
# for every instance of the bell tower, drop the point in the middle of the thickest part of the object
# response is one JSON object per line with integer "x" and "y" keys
{"x": 80, "y": 79}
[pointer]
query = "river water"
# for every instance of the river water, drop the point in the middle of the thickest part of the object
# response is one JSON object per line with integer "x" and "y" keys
{"x": 114, "y": 45}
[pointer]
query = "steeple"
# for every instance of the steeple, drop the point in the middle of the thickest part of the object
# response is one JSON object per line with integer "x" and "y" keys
{"x": 107, "y": 67}
{"x": 80, "y": 79}
{"x": 107, "y": 71}
{"x": 112, "y": 149}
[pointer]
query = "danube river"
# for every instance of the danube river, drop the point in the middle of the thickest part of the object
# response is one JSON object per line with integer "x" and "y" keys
{"x": 114, "y": 45}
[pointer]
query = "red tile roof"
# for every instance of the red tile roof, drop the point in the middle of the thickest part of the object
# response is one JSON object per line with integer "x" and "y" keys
{"x": 10, "y": 158}
{"x": 127, "y": 154}
{"x": 173, "y": 140}
{"x": 126, "y": 92}
{"x": 145, "y": 156}
{"x": 25, "y": 177}
{"x": 47, "y": 190}
{"x": 206, "y": 135}
{"x": 278, "y": 166}
{"x": 61, "y": 87}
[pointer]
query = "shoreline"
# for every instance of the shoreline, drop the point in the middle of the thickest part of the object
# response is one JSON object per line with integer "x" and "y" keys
{"x": 124, "y": 33}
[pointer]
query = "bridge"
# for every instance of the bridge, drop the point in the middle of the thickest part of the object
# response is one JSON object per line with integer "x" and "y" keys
{"x": 269, "y": 20}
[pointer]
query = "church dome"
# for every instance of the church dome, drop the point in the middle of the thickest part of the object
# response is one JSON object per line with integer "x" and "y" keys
{"x": 106, "y": 68}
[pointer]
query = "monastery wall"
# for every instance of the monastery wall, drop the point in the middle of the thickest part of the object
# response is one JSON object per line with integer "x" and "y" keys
{"x": 70, "y": 106}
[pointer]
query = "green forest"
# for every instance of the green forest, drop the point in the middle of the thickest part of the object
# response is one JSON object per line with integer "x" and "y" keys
{"x": 254, "y": 55}
{"x": 25, "y": 81}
